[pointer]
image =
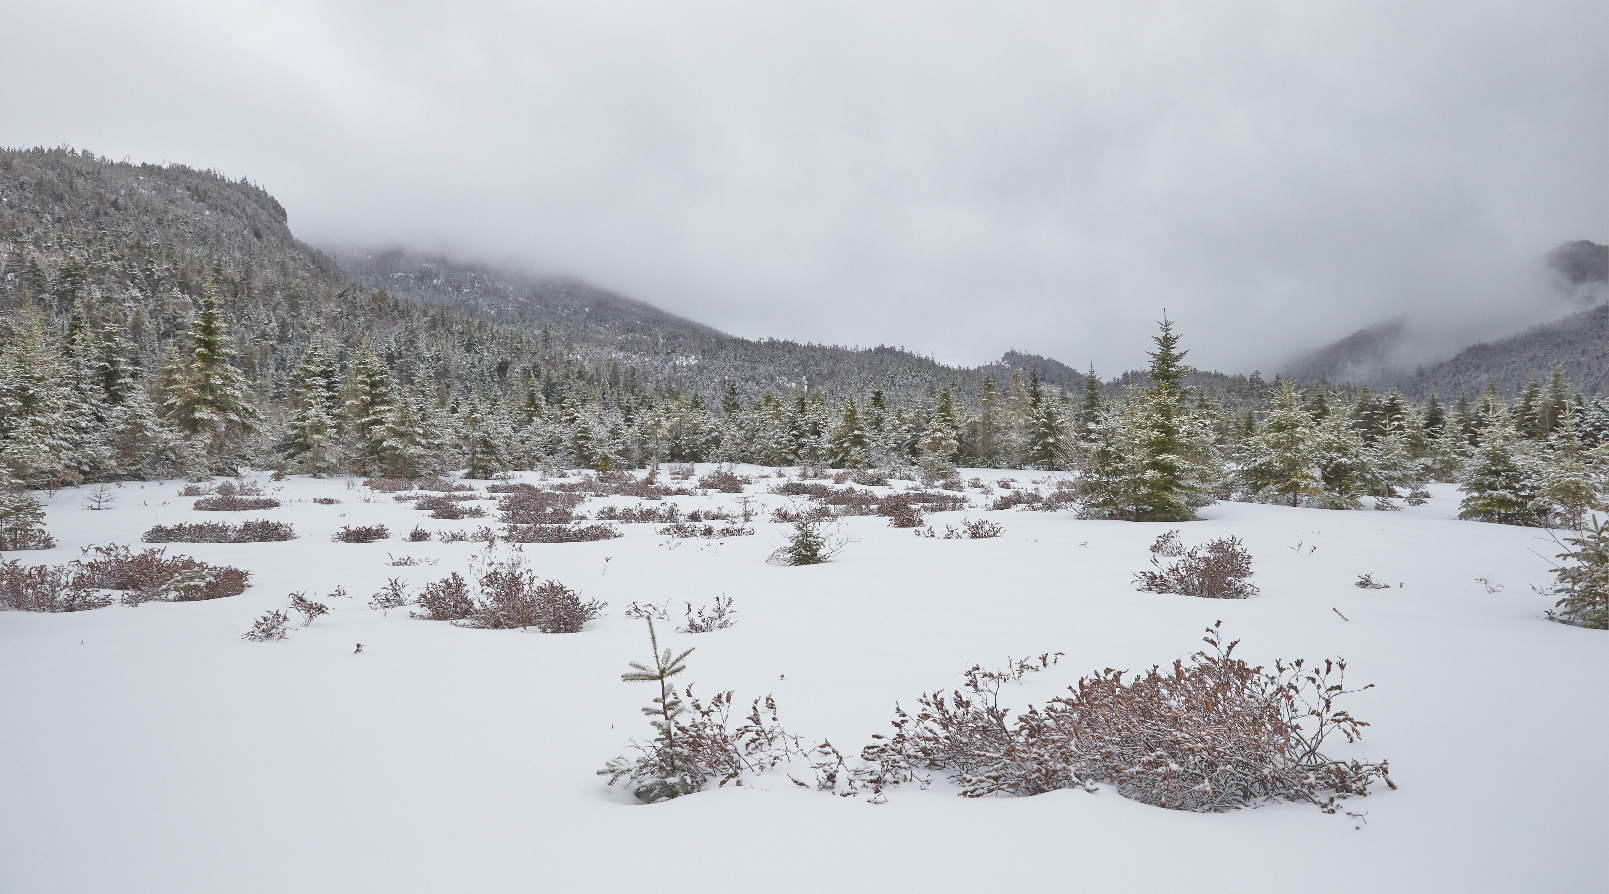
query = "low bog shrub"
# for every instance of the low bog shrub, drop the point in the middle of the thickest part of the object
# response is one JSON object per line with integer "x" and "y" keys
{"x": 559, "y": 533}
{"x": 255, "y": 531}
{"x": 361, "y": 534}
{"x": 1215, "y": 570}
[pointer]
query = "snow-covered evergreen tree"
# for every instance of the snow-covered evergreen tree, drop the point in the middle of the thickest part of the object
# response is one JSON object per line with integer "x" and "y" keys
{"x": 205, "y": 396}
{"x": 1500, "y": 485}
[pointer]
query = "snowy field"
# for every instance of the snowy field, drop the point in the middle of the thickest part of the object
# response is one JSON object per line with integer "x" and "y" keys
{"x": 151, "y": 749}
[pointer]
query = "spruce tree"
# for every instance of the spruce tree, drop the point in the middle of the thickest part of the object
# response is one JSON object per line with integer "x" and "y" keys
{"x": 1176, "y": 469}
{"x": 369, "y": 396}
{"x": 849, "y": 442}
{"x": 206, "y": 397}
{"x": 1278, "y": 464}
{"x": 1500, "y": 486}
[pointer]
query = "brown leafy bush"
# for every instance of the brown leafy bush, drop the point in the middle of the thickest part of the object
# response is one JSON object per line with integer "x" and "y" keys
{"x": 152, "y": 574}
{"x": 418, "y": 535}
{"x": 509, "y": 596}
{"x": 231, "y": 503}
{"x": 271, "y": 626}
{"x": 194, "y": 490}
{"x": 46, "y": 588}
{"x": 393, "y": 595}
{"x": 1215, "y": 570}
{"x": 308, "y": 608}
{"x": 455, "y": 511}
{"x": 905, "y": 517}
{"x": 537, "y": 507}
{"x": 361, "y": 534}
{"x": 445, "y": 600}
{"x": 1016, "y": 498}
{"x": 1208, "y": 735}
{"x": 441, "y": 485}
{"x": 641, "y": 513}
{"x": 724, "y": 481}
{"x": 706, "y": 620}
{"x": 255, "y": 531}
{"x": 980, "y": 529}
{"x": 326, "y": 501}
{"x": 481, "y": 534}
{"x": 559, "y": 533}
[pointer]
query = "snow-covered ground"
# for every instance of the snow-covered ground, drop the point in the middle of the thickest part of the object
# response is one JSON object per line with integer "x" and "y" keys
{"x": 152, "y": 749}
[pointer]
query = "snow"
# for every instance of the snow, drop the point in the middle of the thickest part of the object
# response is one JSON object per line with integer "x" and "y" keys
{"x": 152, "y": 749}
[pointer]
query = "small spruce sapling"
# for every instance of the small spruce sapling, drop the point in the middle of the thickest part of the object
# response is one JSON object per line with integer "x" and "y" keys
{"x": 664, "y": 769}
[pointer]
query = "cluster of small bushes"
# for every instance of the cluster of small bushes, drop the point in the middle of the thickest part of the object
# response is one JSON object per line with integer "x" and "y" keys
{"x": 1217, "y": 569}
{"x": 531, "y": 506}
{"x": 683, "y": 530}
{"x": 1209, "y": 734}
{"x": 255, "y": 531}
{"x": 481, "y": 534}
{"x": 559, "y": 533}
{"x": 641, "y": 513}
{"x": 275, "y": 625}
{"x": 724, "y": 481}
{"x": 505, "y": 595}
{"x": 145, "y": 576}
{"x": 361, "y": 534}
{"x": 232, "y": 497}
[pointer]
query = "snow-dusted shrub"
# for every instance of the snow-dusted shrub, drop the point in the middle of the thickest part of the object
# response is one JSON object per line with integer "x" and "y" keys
{"x": 307, "y": 608}
{"x": 724, "y": 481}
{"x": 695, "y": 743}
{"x": 1367, "y": 582}
{"x": 1582, "y": 583}
{"x": 152, "y": 574}
{"x": 1209, "y": 734}
{"x": 361, "y": 534}
{"x": 537, "y": 507}
{"x": 511, "y": 596}
{"x": 454, "y": 511}
{"x": 389, "y": 485}
{"x": 1016, "y": 498}
{"x": 905, "y": 517}
{"x": 255, "y": 531}
{"x": 194, "y": 490}
{"x": 326, "y": 501}
{"x": 980, "y": 529}
{"x": 232, "y": 503}
{"x": 22, "y": 523}
{"x": 445, "y": 600}
{"x": 481, "y": 534}
{"x": 393, "y": 595}
{"x": 271, "y": 626}
{"x": 418, "y": 535}
{"x": 706, "y": 620}
{"x": 641, "y": 513}
{"x": 559, "y": 533}
{"x": 46, "y": 588}
{"x": 230, "y": 496}
{"x": 687, "y": 530}
{"x": 1215, "y": 570}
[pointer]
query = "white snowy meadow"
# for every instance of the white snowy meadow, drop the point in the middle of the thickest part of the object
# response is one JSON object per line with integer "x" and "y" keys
{"x": 152, "y": 748}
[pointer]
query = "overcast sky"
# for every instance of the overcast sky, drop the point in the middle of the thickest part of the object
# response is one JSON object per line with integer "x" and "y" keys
{"x": 957, "y": 178}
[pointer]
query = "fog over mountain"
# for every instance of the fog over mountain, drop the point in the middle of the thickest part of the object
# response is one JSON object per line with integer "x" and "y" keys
{"x": 957, "y": 178}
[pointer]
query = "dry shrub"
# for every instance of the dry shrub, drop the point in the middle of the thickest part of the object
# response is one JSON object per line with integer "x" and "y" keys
{"x": 152, "y": 574}
{"x": 1216, "y": 570}
{"x": 508, "y": 596}
{"x": 1208, "y": 735}
{"x": 271, "y": 626}
{"x": 810, "y": 512}
{"x": 709, "y": 515}
{"x": 905, "y": 517}
{"x": 393, "y": 595}
{"x": 870, "y": 478}
{"x": 980, "y": 529}
{"x": 222, "y": 502}
{"x": 706, "y": 620}
{"x": 254, "y": 531}
{"x": 389, "y": 485}
{"x": 1367, "y": 582}
{"x": 361, "y": 534}
{"x": 46, "y": 588}
{"x": 326, "y": 501}
{"x": 559, "y": 533}
{"x": 641, "y": 513}
{"x": 1015, "y": 498}
{"x": 455, "y": 511}
{"x": 683, "y": 530}
{"x": 445, "y": 600}
{"x": 537, "y": 507}
{"x": 307, "y": 607}
{"x": 443, "y": 486}
{"x": 418, "y": 535}
{"x": 194, "y": 490}
{"x": 481, "y": 534}
{"x": 724, "y": 481}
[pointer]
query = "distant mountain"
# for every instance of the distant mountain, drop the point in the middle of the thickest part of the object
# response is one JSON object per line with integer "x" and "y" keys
{"x": 1579, "y": 344}
{"x": 604, "y": 329}
{"x": 1378, "y": 355}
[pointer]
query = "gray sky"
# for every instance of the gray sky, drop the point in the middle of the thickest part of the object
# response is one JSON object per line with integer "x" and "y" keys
{"x": 957, "y": 178}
